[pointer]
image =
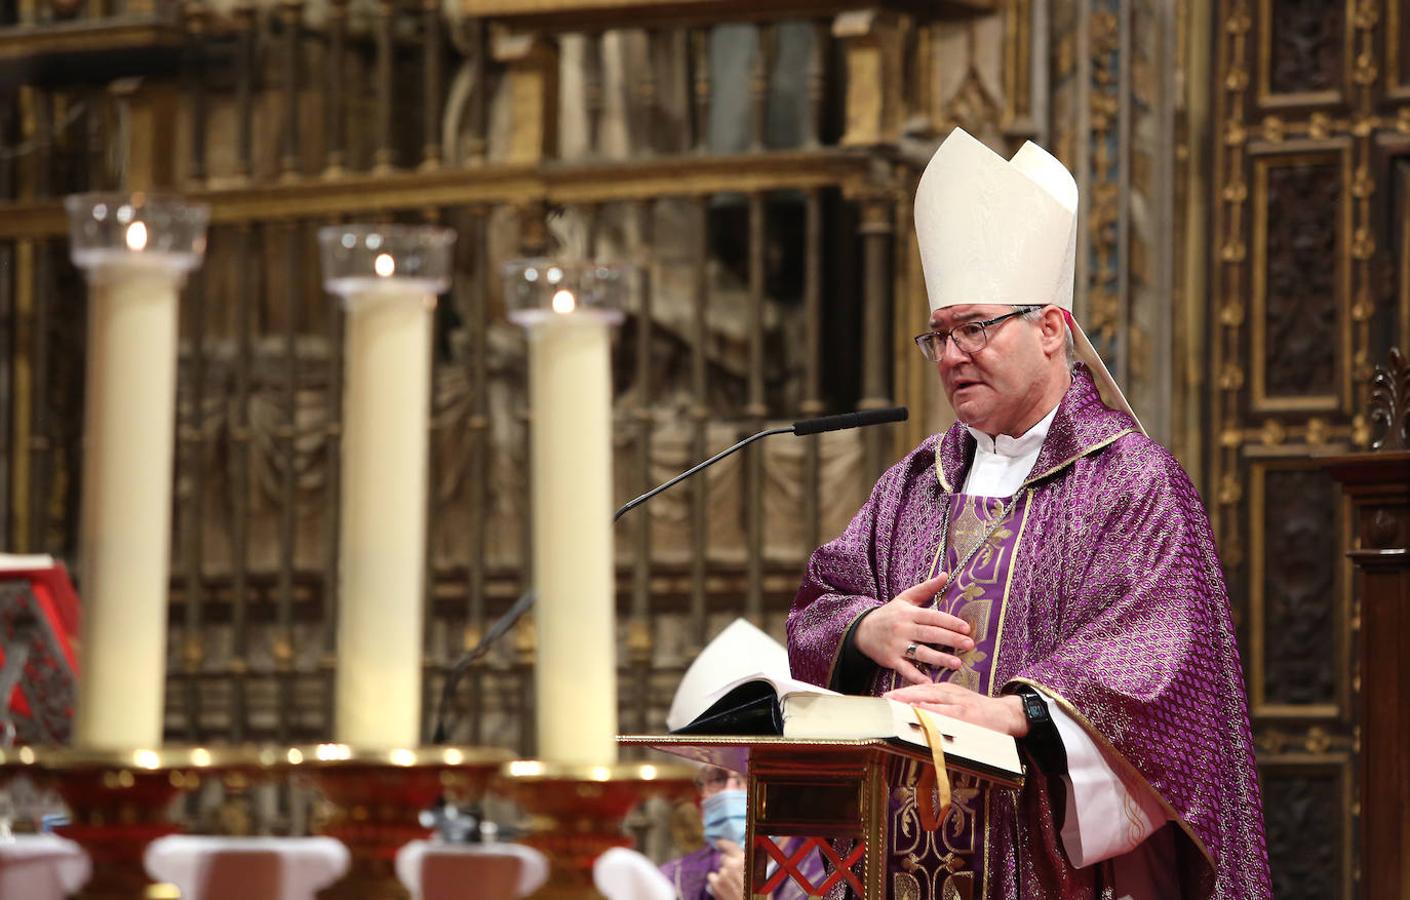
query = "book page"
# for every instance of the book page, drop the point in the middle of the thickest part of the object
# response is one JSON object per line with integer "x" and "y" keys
{"x": 814, "y": 715}
{"x": 782, "y": 686}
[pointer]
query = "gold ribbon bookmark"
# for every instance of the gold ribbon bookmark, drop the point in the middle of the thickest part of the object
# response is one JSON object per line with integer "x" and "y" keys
{"x": 933, "y": 782}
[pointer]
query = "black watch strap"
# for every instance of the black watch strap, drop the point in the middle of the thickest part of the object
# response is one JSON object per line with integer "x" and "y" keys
{"x": 1042, "y": 742}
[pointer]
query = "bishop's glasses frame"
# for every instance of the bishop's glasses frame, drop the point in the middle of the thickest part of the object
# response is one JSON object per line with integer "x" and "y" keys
{"x": 970, "y": 337}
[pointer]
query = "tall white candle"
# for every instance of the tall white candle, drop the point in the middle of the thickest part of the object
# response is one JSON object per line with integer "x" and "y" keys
{"x": 576, "y": 672}
{"x": 383, "y": 528}
{"x": 125, "y": 529}
{"x": 135, "y": 251}
{"x": 388, "y": 277}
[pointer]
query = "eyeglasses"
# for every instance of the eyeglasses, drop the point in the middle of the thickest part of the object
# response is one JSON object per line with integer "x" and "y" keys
{"x": 713, "y": 779}
{"x": 971, "y": 337}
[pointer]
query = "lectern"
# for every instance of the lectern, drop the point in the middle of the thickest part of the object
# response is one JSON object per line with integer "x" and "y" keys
{"x": 832, "y": 793}
{"x": 1378, "y": 487}
{"x": 1377, "y": 484}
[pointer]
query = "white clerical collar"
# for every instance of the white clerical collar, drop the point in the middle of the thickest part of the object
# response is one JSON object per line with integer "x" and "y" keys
{"x": 1028, "y": 443}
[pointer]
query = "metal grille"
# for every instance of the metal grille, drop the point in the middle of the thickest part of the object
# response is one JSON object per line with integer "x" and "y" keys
{"x": 712, "y": 156}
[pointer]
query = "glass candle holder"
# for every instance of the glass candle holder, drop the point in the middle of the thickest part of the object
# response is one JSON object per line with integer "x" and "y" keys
{"x": 149, "y": 230}
{"x": 541, "y": 289}
{"x": 360, "y": 259}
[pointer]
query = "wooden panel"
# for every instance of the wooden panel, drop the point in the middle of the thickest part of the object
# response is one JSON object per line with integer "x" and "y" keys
{"x": 1397, "y": 50}
{"x": 1298, "y": 632}
{"x": 1307, "y": 836}
{"x": 1302, "y": 51}
{"x": 1299, "y": 281}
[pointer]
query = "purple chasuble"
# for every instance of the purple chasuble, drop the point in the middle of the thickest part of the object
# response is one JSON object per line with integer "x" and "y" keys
{"x": 1114, "y": 605}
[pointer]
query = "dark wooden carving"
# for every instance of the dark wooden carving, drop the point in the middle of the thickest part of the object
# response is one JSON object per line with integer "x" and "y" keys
{"x": 1304, "y": 835}
{"x": 1299, "y": 586}
{"x": 1301, "y": 312}
{"x": 1308, "y": 45}
{"x": 1403, "y": 44}
{"x": 1390, "y": 402}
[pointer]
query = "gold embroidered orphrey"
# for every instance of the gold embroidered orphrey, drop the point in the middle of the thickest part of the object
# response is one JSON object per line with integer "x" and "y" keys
{"x": 986, "y": 565}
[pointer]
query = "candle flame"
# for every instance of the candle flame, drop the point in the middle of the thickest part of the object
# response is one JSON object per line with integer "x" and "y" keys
{"x": 384, "y": 265}
{"x": 146, "y": 759}
{"x": 402, "y": 758}
{"x": 564, "y": 302}
{"x": 137, "y": 236}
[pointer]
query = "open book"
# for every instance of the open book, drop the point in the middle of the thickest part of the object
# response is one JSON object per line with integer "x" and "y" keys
{"x": 759, "y": 705}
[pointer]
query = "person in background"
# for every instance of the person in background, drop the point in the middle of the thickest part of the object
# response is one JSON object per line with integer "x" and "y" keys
{"x": 717, "y": 869}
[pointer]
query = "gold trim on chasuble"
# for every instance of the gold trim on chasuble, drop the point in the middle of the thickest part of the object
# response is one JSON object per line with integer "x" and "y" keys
{"x": 954, "y": 879}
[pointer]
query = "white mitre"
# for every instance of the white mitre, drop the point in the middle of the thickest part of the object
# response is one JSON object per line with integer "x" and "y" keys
{"x": 1002, "y": 231}
{"x": 740, "y": 650}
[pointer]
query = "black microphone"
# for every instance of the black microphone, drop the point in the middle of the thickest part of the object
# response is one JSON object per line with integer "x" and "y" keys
{"x": 800, "y": 428}
{"x": 505, "y": 622}
{"x": 851, "y": 420}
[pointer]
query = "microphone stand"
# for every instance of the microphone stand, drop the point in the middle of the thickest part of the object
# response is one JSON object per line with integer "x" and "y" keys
{"x": 506, "y": 621}
{"x": 633, "y": 504}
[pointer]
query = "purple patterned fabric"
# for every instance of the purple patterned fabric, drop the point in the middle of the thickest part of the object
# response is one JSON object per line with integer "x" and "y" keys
{"x": 689, "y": 873}
{"x": 1117, "y": 608}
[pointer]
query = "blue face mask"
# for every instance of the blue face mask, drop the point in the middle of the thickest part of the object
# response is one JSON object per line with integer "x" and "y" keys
{"x": 726, "y": 815}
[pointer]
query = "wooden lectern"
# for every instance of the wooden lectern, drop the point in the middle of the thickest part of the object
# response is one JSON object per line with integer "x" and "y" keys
{"x": 1377, "y": 484}
{"x": 833, "y": 793}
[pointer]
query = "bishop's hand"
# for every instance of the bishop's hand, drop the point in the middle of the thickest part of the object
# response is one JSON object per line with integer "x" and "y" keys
{"x": 907, "y": 631}
{"x": 1004, "y": 714}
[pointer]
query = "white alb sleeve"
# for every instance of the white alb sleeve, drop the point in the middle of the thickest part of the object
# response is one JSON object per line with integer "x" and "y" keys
{"x": 1107, "y": 813}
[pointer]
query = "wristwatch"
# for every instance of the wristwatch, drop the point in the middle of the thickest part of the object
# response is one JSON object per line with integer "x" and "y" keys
{"x": 1042, "y": 742}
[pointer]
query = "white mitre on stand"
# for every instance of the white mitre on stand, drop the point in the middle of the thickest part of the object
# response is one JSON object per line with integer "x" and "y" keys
{"x": 740, "y": 650}
{"x": 1000, "y": 231}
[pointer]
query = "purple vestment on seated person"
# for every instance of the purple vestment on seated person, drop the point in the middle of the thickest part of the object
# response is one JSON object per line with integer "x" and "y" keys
{"x": 689, "y": 873}
{"x": 1115, "y": 607}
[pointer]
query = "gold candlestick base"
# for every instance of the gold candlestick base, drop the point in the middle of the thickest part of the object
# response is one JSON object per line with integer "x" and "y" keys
{"x": 578, "y": 812}
{"x": 376, "y": 799}
{"x": 118, "y": 803}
